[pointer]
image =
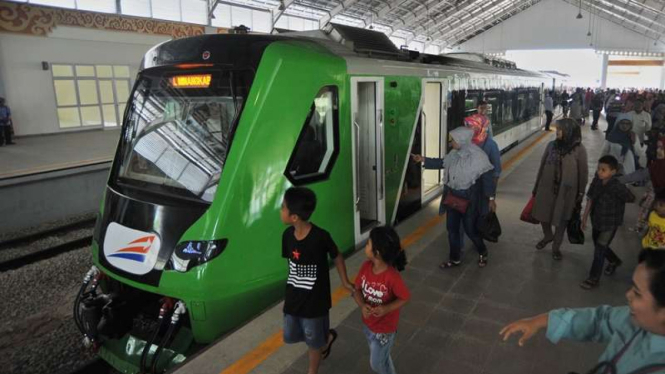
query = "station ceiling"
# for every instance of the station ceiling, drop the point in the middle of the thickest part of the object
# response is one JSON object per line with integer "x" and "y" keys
{"x": 448, "y": 23}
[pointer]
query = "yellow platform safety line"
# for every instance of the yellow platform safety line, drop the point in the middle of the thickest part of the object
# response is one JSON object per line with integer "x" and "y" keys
{"x": 255, "y": 357}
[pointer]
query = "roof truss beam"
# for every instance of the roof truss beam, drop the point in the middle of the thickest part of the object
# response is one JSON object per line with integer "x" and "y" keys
{"x": 323, "y": 22}
{"x": 453, "y": 24}
{"x": 466, "y": 33}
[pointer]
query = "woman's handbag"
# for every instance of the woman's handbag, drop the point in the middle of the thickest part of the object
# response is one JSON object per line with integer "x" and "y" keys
{"x": 489, "y": 227}
{"x": 526, "y": 213}
{"x": 574, "y": 229}
{"x": 454, "y": 202}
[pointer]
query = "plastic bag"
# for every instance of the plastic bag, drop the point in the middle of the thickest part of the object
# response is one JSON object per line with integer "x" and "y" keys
{"x": 489, "y": 227}
{"x": 526, "y": 213}
{"x": 574, "y": 229}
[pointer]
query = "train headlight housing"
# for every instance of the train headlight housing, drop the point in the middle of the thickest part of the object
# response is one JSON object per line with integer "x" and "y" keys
{"x": 193, "y": 253}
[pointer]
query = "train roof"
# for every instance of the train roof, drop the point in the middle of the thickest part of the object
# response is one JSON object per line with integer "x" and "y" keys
{"x": 360, "y": 47}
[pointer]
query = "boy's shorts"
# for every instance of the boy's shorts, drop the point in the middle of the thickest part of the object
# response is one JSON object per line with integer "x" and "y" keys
{"x": 313, "y": 331}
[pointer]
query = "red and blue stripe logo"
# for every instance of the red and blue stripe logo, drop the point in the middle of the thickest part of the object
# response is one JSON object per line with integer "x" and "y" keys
{"x": 135, "y": 250}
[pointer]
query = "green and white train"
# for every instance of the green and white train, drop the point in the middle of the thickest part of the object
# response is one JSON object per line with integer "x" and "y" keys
{"x": 188, "y": 240}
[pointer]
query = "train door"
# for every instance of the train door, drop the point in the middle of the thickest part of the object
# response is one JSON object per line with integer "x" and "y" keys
{"x": 368, "y": 155}
{"x": 434, "y": 135}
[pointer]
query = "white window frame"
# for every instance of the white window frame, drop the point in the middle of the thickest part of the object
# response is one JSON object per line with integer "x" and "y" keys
{"x": 75, "y": 78}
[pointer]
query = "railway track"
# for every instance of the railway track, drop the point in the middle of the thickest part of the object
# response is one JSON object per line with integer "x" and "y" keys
{"x": 29, "y": 249}
{"x": 10, "y": 243}
{"x": 44, "y": 254}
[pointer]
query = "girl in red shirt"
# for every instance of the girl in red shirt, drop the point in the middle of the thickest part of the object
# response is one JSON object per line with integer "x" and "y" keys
{"x": 380, "y": 293}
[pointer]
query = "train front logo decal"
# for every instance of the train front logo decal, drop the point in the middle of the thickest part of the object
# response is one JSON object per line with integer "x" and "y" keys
{"x": 131, "y": 250}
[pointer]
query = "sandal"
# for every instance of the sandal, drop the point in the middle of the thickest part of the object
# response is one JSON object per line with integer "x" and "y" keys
{"x": 482, "y": 261}
{"x": 589, "y": 283}
{"x": 326, "y": 352}
{"x": 543, "y": 243}
{"x": 449, "y": 264}
{"x": 557, "y": 255}
{"x": 612, "y": 267}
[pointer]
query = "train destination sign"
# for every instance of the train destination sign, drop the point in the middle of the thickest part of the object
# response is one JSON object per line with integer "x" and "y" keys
{"x": 191, "y": 81}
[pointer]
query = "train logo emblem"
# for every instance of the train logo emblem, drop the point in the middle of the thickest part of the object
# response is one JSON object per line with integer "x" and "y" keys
{"x": 131, "y": 250}
{"x": 206, "y": 55}
{"x": 136, "y": 249}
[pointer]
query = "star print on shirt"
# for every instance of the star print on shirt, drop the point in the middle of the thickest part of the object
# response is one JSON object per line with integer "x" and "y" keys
{"x": 296, "y": 254}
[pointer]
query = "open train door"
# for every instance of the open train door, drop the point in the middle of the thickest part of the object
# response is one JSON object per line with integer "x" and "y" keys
{"x": 368, "y": 155}
{"x": 434, "y": 134}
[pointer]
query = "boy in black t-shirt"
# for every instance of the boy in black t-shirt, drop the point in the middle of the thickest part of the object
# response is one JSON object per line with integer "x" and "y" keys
{"x": 307, "y": 300}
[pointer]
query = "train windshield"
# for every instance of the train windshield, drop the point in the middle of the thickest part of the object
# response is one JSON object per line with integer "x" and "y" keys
{"x": 178, "y": 132}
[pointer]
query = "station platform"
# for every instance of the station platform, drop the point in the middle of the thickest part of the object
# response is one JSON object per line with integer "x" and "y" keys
{"x": 452, "y": 322}
{"x": 39, "y": 154}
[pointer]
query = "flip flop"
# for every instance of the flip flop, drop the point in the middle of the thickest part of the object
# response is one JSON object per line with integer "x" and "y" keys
{"x": 543, "y": 243}
{"x": 326, "y": 352}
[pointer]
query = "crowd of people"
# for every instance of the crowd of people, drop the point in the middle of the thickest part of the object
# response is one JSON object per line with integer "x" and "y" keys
{"x": 635, "y": 333}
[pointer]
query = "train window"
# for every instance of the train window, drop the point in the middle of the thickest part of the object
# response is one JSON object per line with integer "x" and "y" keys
{"x": 471, "y": 103}
{"x": 317, "y": 146}
{"x": 175, "y": 140}
{"x": 508, "y": 118}
{"x": 522, "y": 107}
{"x": 494, "y": 110}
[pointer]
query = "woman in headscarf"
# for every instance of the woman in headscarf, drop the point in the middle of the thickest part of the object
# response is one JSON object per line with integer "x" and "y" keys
{"x": 621, "y": 143}
{"x": 465, "y": 165}
{"x": 560, "y": 184}
{"x": 482, "y": 137}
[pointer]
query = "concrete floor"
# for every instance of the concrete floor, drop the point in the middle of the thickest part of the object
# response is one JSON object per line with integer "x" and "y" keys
{"x": 49, "y": 152}
{"x": 452, "y": 323}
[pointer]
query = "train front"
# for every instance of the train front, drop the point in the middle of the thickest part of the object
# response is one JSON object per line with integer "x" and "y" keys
{"x": 153, "y": 232}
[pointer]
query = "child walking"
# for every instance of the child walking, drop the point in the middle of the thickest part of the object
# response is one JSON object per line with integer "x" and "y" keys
{"x": 308, "y": 299}
{"x": 655, "y": 236}
{"x": 380, "y": 293}
{"x": 607, "y": 198}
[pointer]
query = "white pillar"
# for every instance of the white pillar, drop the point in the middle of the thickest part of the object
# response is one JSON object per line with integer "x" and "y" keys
{"x": 603, "y": 74}
{"x": 662, "y": 78}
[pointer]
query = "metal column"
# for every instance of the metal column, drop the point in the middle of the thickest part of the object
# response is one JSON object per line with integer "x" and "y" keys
{"x": 603, "y": 74}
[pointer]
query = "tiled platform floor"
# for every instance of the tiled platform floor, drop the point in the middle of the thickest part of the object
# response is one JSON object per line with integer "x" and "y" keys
{"x": 43, "y": 153}
{"x": 452, "y": 322}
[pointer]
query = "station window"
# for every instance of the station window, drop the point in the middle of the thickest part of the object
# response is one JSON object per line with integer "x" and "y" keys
{"x": 318, "y": 143}
{"x": 90, "y": 95}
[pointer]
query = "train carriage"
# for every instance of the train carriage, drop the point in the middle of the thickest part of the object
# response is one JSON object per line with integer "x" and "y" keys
{"x": 187, "y": 242}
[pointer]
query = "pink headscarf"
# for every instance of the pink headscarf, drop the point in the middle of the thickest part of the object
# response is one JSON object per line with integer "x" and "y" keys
{"x": 480, "y": 125}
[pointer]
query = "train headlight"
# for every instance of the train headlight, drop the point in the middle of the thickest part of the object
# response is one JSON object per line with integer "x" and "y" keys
{"x": 190, "y": 254}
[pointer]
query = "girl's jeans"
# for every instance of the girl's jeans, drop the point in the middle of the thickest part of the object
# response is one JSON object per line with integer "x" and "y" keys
{"x": 379, "y": 351}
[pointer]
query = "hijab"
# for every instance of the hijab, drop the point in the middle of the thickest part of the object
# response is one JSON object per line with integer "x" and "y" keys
{"x": 465, "y": 165}
{"x": 622, "y": 137}
{"x": 657, "y": 169}
{"x": 571, "y": 138}
{"x": 480, "y": 125}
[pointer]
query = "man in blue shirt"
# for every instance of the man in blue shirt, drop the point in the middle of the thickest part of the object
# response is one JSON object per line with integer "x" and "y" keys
{"x": 5, "y": 123}
{"x": 635, "y": 333}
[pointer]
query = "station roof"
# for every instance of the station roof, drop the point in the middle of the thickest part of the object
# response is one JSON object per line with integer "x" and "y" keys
{"x": 448, "y": 23}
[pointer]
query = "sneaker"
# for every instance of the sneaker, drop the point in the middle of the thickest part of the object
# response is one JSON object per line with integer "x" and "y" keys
{"x": 589, "y": 283}
{"x": 612, "y": 267}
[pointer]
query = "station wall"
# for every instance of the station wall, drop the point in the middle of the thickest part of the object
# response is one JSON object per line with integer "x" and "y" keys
{"x": 551, "y": 24}
{"x": 29, "y": 89}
